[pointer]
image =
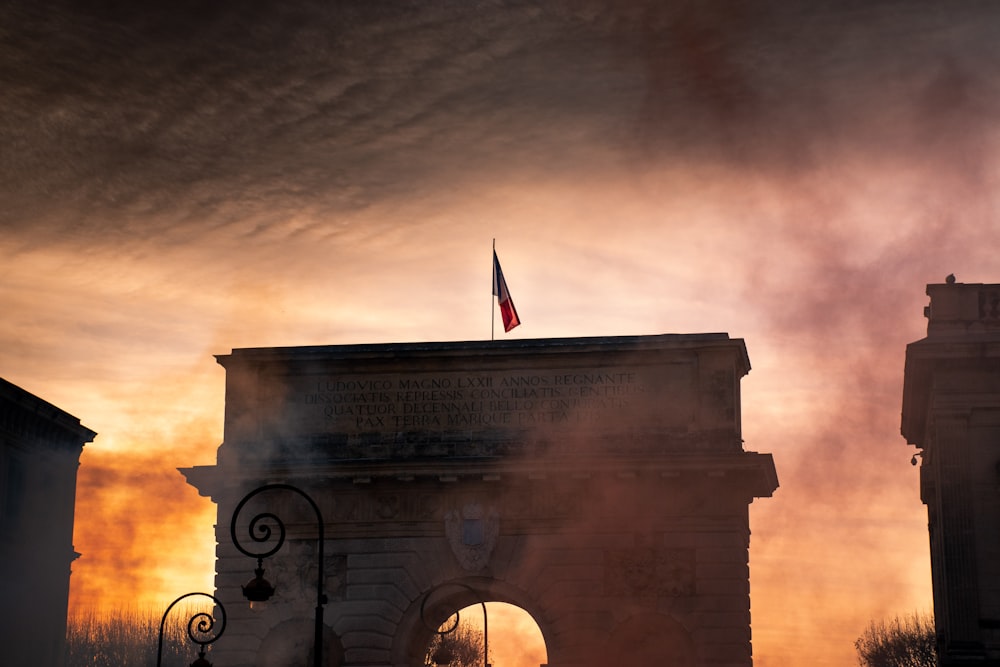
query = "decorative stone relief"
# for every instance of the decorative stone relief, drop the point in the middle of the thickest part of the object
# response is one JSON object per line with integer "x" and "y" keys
{"x": 989, "y": 305}
{"x": 387, "y": 506}
{"x": 294, "y": 573}
{"x": 649, "y": 572}
{"x": 472, "y": 533}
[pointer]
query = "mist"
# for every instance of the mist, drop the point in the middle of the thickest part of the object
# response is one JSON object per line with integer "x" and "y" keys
{"x": 179, "y": 180}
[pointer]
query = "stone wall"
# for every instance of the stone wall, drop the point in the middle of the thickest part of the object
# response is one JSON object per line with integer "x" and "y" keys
{"x": 951, "y": 411}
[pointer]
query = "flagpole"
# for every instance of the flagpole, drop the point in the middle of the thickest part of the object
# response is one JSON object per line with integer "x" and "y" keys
{"x": 493, "y": 269}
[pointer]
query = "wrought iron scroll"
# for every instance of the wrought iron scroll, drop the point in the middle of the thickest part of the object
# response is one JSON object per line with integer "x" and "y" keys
{"x": 201, "y": 623}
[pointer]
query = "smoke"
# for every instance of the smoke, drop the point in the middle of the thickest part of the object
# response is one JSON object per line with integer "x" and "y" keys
{"x": 145, "y": 536}
{"x": 182, "y": 179}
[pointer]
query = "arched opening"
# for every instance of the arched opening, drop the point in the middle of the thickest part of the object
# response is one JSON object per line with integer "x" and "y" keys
{"x": 490, "y": 628}
{"x": 506, "y": 633}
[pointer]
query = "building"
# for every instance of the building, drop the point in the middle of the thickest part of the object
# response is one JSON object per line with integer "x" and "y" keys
{"x": 40, "y": 447}
{"x": 600, "y": 484}
{"x": 951, "y": 412}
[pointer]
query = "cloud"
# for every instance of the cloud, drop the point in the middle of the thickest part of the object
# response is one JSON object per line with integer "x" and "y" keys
{"x": 181, "y": 179}
{"x": 139, "y": 123}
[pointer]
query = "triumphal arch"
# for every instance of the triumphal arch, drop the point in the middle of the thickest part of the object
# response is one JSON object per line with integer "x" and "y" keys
{"x": 600, "y": 484}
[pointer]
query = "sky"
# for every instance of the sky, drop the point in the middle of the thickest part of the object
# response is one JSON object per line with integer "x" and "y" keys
{"x": 180, "y": 179}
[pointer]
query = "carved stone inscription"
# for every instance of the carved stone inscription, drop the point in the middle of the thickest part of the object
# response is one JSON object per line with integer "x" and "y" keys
{"x": 452, "y": 401}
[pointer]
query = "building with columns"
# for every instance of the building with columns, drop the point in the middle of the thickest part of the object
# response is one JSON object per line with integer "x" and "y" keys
{"x": 951, "y": 414}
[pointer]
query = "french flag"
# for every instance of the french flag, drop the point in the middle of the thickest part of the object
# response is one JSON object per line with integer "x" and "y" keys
{"x": 507, "y": 310}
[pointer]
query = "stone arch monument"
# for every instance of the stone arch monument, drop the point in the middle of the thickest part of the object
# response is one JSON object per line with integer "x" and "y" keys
{"x": 600, "y": 484}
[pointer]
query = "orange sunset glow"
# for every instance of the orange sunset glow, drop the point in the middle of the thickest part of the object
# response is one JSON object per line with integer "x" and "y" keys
{"x": 183, "y": 179}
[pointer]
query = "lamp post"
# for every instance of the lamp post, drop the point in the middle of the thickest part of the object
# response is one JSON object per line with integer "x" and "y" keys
{"x": 259, "y": 589}
{"x": 447, "y": 658}
{"x": 202, "y": 623}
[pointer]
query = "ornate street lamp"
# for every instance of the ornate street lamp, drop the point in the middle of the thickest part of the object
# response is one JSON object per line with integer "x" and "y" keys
{"x": 260, "y": 589}
{"x": 201, "y": 623}
{"x": 444, "y": 654}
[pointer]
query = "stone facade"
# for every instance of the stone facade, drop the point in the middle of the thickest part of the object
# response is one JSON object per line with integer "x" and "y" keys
{"x": 40, "y": 447}
{"x": 951, "y": 411}
{"x": 598, "y": 483}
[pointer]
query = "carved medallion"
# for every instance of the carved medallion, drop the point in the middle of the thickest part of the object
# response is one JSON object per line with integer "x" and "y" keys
{"x": 472, "y": 533}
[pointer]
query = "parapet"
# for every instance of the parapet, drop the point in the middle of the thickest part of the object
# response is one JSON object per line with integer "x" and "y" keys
{"x": 962, "y": 309}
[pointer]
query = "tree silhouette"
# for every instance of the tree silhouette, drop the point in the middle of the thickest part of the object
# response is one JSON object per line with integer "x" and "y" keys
{"x": 464, "y": 647}
{"x": 908, "y": 642}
